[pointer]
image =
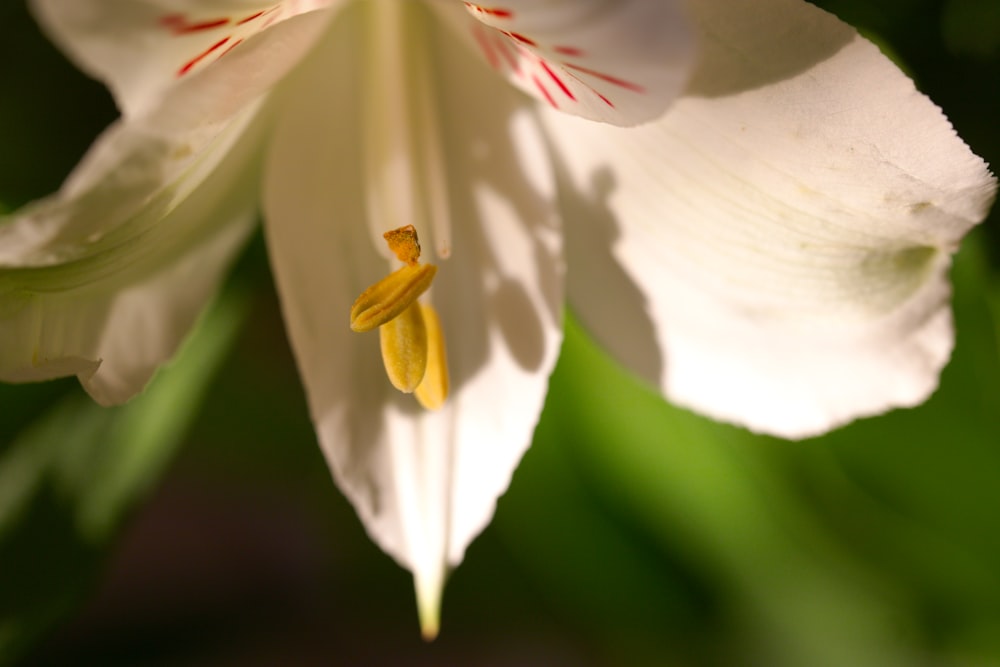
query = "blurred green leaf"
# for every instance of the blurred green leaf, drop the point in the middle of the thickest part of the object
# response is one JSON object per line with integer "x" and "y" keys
{"x": 637, "y": 608}
{"x": 922, "y": 487}
{"x": 68, "y": 481}
{"x": 717, "y": 496}
{"x": 876, "y": 545}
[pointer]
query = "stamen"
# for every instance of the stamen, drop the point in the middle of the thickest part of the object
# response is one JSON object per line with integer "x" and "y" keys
{"x": 433, "y": 167}
{"x": 404, "y": 349}
{"x": 433, "y": 389}
{"x": 389, "y": 297}
{"x": 406, "y": 187}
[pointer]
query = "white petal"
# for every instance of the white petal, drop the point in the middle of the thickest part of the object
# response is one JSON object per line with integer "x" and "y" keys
{"x": 424, "y": 484}
{"x": 121, "y": 306}
{"x": 131, "y": 178}
{"x": 158, "y": 157}
{"x": 618, "y": 61}
{"x": 774, "y": 251}
{"x": 142, "y": 48}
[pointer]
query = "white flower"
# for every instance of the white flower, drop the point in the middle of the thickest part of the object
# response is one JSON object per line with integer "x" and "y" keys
{"x": 761, "y": 225}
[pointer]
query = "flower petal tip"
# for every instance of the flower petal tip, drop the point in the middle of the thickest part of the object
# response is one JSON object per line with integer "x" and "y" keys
{"x": 429, "y": 627}
{"x": 428, "y": 586}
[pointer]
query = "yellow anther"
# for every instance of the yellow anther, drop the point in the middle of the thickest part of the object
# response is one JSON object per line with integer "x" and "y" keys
{"x": 390, "y": 296}
{"x": 409, "y": 332}
{"x": 404, "y": 349}
{"x": 433, "y": 389}
{"x": 403, "y": 242}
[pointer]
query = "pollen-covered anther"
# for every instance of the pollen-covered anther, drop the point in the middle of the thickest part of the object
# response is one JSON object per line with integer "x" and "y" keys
{"x": 409, "y": 331}
{"x": 389, "y": 297}
{"x": 433, "y": 389}
{"x": 404, "y": 244}
{"x": 404, "y": 349}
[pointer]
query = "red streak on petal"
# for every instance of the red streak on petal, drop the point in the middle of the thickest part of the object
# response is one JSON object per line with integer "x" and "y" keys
{"x": 590, "y": 88}
{"x": 571, "y": 51}
{"x": 250, "y": 18}
{"x": 559, "y": 82}
{"x": 231, "y": 47}
{"x": 201, "y": 56}
{"x": 621, "y": 83}
{"x": 544, "y": 91}
{"x": 497, "y": 12}
{"x": 521, "y": 38}
{"x": 484, "y": 44}
{"x": 180, "y": 26}
{"x": 504, "y": 47}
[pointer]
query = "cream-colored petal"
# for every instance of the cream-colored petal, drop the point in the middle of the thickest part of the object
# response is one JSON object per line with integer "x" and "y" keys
{"x": 617, "y": 61}
{"x": 143, "y": 48}
{"x": 129, "y": 180}
{"x": 114, "y": 341}
{"x": 117, "y": 311}
{"x": 424, "y": 483}
{"x": 155, "y": 159}
{"x": 774, "y": 251}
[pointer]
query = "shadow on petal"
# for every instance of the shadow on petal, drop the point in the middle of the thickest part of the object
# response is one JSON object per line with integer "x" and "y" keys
{"x": 738, "y": 53}
{"x": 610, "y": 305}
{"x": 519, "y": 324}
{"x": 505, "y": 275}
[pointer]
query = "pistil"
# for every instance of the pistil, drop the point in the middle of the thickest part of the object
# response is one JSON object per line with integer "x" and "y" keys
{"x": 406, "y": 191}
{"x": 405, "y": 174}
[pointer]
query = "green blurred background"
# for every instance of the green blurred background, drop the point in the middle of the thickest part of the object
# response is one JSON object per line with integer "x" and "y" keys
{"x": 198, "y": 524}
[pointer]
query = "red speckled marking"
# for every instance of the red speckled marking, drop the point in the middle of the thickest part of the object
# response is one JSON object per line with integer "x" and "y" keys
{"x": 539, "y": 65}
{"x": 544, "y": 91}
{"x": 252, "y": 17}
{"x": 507, "y": 50}
{"x": 231, "y": 47}
{"x": 495, "y": 12}
{"x": 483, "y": 38}
{"x": 621, "y": 83}
{"x": 201, "y": 56}
{"x": 521, "y": 38}
{"x": 559, "y": 82}
{"x": 180, "y": 25}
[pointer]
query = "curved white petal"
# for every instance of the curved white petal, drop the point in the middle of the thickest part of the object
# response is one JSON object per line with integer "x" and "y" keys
{"x": 142, "y": 48}
{"x": 423, "y": 483}
{"x": 130, "y": 179}
{"x": 119, "y": 308}
{"x": 617, "y": 61}
{"x": 156, "y": 159}
{"x": 774, "y": 251}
